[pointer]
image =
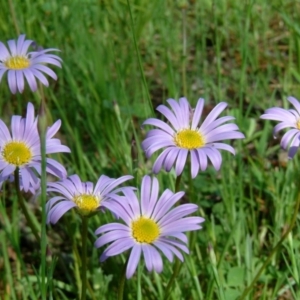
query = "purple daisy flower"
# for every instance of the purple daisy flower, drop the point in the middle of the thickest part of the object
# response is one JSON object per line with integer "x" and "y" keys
{"x": 288, "y": 118}
{"x": 21, "y": 149}
{"x": 184, "y": 135}
{"x": 82, "y": 195}
{"x": 19, "y": 63}
{"x": 150, "y": 225}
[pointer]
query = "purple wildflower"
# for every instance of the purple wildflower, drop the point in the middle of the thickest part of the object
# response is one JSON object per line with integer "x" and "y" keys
{"x": 150, "y": 225}
{"x": 82, "y": 195}
{"x": 21, "y": 149}
{"x": 185, "y": 136}
{"x": 288, "y": 118}
{"x": 19, "y": 63}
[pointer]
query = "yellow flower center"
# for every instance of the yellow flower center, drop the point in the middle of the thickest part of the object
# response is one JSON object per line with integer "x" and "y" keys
{"x": 298, "y": 124}
{"x": 86, "y": 203}
{"x": 145, "y": 230}
{"x": 16, "y": 153}
{"x": 17, "y": 62}
{"x": 189, "y": 139}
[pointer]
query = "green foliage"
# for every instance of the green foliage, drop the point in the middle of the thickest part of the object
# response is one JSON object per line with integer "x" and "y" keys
{"x": 246, "y": 53}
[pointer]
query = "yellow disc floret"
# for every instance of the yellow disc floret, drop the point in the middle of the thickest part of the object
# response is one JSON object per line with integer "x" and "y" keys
{"x": 298, "y": 124}
{"x": 16, "y": 153}
{"x": 17, "y": 62}
{"x": 189, "y": 139}
{"x": 86, "y": 203}
{"x": 145, "y": 230}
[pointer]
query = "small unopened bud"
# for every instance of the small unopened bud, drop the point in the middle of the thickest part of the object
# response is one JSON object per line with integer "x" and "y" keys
{"x": 116, "y": 108}
{"x": 212, "y": 254}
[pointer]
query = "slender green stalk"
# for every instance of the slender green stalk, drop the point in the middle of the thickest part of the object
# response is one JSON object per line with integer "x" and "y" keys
{"x": 176, "y": 270}
{"x": 274, "y": 250}
{"x": 139, "y": 285}
{"x": 42, "y": 125}
{"x": 139, "y": 58}
{"x": 122, "y": 281}
{"x": 21, "y": 201}
{"x": 177, "y": 183}
{"x": 183, "y": 66}
{"x": 217, "y": 42}
{"x": 217, "y": 280}
{"x": 13, "y": 16}
{"x": 211, "y": 286}
{"x": 8, "y": 274}
{"x": 178, "y": 264}
{"x": 84, "y": 237}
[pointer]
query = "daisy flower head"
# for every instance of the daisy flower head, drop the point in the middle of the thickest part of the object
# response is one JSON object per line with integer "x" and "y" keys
{"x": 20, "y": 63}
{"x": 288, "y": 118}
{"x": 86, "y": 198}
{"x": 151, "y": 226}
{"x": 183, "y": 134}
{"x": 20, "y": 149}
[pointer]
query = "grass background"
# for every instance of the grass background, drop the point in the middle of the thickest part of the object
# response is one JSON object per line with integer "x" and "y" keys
{"x": 246, "y": 53}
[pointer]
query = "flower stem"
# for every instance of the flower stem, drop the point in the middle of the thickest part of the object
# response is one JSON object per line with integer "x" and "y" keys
{"x": 178, "y": 264}
{"x": 84, "y": 237}
{"x": 177, "y": 183}
{"x": 122, "y": 281}
{"x": 13, "y": 16}
{"x": 139, "y": 286}
{"x": 274, "y": 250}
{"x": 30, "y": 222}
{"x": 42, "y": 126}
{"x": 183, "y": 67}
{"x": 176, "y": 270}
